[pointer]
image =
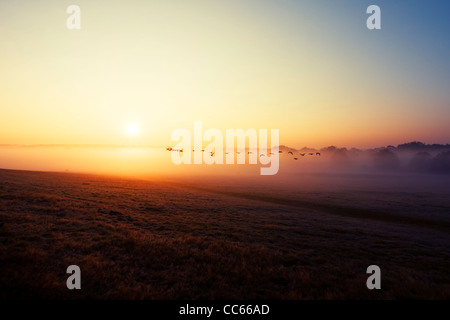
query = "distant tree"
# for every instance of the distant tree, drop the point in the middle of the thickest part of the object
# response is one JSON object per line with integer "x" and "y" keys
{"x": 386, "y": 160}
{"x": 441, "y": 163}
{"x": 340, "y": 157}
{"x": 307, "y": 149}
{"x": 417, "y": 146}
{"x": 412, "y": 146}
{"x": 391, "y": 147}
{"x": 354, "y": 152}
{"x": 420, "y": 162}
{"x": 329, "y": 149}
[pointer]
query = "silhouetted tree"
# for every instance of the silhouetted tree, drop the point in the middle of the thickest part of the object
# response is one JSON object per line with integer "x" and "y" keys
{"x": 386, "y": 160}
{"x": 340, "y": 157}
{"x": 329, "y": 149}
{"x": 441, "y": 163}
{"x": 412, "y": 146}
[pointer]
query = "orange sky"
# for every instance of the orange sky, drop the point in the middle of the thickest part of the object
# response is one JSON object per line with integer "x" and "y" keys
{"x": 314, "y": 72}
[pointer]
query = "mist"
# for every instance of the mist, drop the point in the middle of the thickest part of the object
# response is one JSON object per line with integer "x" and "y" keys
{"x": 408, "y": 168}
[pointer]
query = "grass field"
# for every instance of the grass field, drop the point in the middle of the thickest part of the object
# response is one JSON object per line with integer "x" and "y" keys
{"x": 203, "y": 239}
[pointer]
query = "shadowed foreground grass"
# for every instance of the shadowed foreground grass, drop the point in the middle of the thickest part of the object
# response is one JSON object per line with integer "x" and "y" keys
{"x": 155, "y": 240}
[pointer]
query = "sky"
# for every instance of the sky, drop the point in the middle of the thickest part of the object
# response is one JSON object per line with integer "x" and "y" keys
{"x": 311, "y": 69}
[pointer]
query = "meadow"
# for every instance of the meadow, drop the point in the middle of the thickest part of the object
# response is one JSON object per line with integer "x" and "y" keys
{"x": 229, "y": 238}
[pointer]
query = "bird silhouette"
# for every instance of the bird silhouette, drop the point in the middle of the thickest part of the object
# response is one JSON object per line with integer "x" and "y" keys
{"x": 302, "y": 154}
{"x": 290, "y": 152}
{"x": 261, "y": 155}
{"x": 295, "y": 158}
{"x": 317, "y": 153}
{"x": 311, "y": 154}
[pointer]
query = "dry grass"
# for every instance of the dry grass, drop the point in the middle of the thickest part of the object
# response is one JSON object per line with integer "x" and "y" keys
{"x": 156, "y": 240}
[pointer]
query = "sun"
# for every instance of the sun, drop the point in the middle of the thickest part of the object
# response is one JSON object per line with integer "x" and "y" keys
{"x": 132, "y": 129}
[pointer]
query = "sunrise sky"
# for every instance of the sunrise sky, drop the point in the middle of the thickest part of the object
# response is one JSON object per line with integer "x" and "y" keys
{"x": 144, "y": 68}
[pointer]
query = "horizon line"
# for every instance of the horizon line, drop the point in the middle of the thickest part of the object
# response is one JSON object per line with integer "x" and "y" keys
{"x": 56, "y": 145}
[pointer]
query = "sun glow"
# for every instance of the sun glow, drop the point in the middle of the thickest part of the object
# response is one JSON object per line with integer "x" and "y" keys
{"x": 132, "y": 129}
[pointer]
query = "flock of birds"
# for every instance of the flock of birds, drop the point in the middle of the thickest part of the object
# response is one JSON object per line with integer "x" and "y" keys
{"x": 249, "y": 152}
{"x": 302, "y": 154}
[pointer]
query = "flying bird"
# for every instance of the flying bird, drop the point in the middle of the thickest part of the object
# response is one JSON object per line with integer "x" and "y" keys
{"x": 290, "y": 152}
{"x": 295, "y": 158}
{"x": 317, "y": 153}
